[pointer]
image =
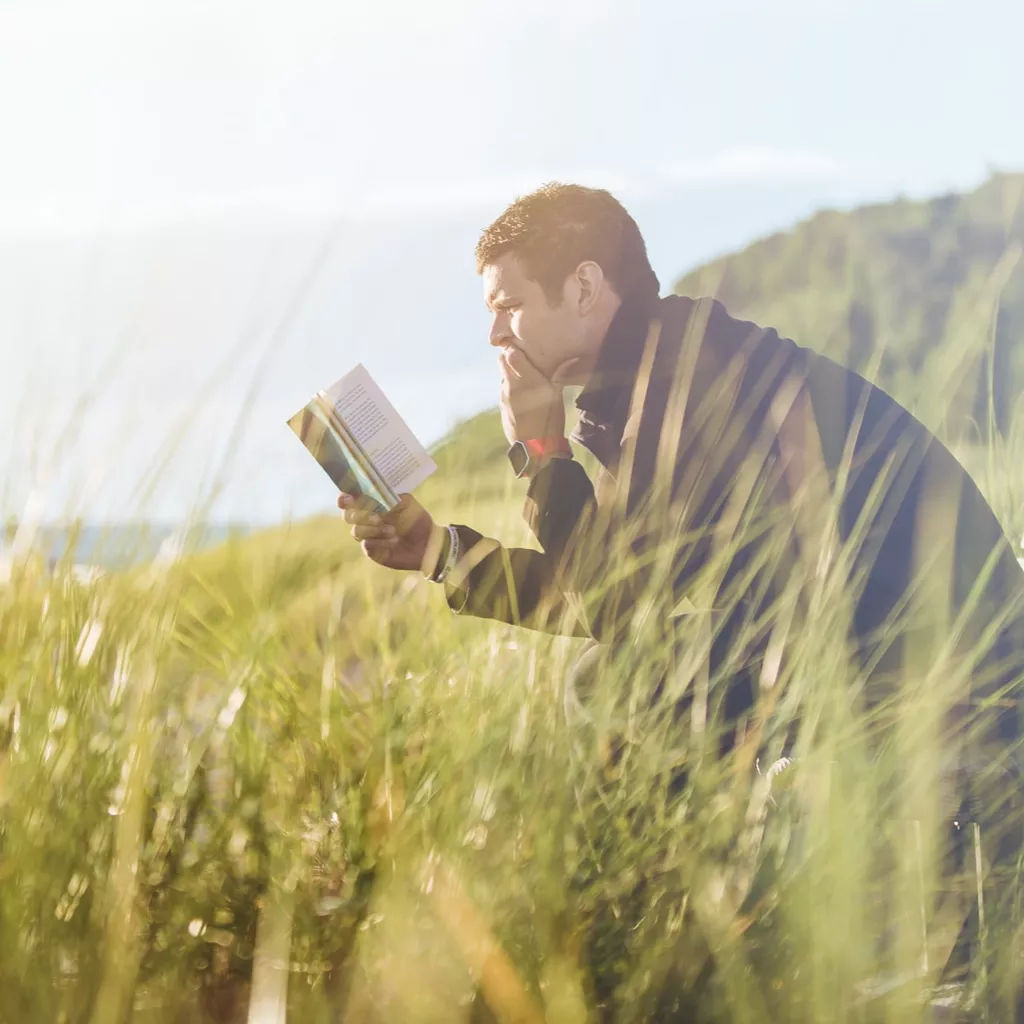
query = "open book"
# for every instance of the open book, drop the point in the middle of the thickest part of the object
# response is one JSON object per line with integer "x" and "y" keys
{"x": 361, "y": 442}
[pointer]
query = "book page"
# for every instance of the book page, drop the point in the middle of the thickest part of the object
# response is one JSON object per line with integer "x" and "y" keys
{"x": 386, "y": 438}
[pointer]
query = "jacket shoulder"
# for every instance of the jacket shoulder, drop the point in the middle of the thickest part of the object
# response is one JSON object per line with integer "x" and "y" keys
{"x": 729, "y": 335}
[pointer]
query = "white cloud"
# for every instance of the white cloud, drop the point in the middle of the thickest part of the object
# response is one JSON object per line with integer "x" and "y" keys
{"x": 415, "y": 197}
{"x": 756, "y": 163}
{"x": 731, "y": 166}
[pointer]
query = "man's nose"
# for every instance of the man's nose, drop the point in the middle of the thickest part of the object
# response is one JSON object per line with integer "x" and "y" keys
{"x": 500, "y": 332}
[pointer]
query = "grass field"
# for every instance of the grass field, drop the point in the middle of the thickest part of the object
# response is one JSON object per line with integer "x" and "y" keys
{"x": 272, "y": 781}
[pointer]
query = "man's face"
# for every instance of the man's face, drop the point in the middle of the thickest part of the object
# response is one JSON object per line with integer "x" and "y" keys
{"x": 524, "y": 318}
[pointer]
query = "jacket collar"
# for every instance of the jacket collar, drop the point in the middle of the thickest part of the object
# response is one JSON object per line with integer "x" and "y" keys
{"x": 604, "y": 401}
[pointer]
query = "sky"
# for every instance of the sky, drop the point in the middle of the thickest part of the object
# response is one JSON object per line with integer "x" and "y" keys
{"x": 211, "y": 209}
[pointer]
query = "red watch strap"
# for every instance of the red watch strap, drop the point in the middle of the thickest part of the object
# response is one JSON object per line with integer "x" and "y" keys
{"x": 538, "y": 447}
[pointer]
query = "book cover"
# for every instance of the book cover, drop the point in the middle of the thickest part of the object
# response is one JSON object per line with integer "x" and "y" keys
{"x": 360, "y": 440}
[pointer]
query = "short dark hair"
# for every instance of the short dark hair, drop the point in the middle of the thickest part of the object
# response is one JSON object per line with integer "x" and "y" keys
{"x": 556, "y": 228}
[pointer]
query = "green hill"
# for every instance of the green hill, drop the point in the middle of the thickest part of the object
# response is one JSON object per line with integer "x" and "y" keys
{"x": 925, "y": 298}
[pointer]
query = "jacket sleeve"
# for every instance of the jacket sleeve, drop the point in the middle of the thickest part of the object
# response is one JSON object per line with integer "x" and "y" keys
{"x": 523, "y": 586}
{"x": 575, "y": 585}
{"x": 600, "y": 555}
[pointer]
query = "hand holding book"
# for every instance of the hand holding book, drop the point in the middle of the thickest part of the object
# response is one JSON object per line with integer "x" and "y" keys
{"x": 406, "y": 537}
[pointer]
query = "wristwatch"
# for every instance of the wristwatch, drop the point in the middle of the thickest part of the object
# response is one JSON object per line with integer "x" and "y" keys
{"x": 527, "y": 456}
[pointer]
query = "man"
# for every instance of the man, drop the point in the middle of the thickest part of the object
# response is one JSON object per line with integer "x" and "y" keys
{"x": 712, "y": 433}
{"x": 736, "y": 470}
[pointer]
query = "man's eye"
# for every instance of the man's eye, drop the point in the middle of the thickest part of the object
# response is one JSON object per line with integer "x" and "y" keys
{"x": 511, "y": 310}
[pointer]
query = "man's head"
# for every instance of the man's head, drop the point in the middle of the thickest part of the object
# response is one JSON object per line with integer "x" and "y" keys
{"x": 556, "y": 266}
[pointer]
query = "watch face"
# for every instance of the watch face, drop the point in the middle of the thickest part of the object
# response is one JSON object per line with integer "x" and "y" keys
{"x": 519, "y": 456}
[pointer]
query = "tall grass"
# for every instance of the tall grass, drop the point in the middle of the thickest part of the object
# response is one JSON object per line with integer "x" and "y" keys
{"x": 274, "y": 781}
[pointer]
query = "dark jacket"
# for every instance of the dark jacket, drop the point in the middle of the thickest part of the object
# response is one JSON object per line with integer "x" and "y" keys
{"x": 722, "y": 445}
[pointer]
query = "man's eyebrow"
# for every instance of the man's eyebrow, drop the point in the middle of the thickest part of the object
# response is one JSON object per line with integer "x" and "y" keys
{"x": 493, "y": 301}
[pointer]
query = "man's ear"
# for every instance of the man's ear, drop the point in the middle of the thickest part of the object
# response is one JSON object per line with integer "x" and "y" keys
{"x": 590, "y": 283}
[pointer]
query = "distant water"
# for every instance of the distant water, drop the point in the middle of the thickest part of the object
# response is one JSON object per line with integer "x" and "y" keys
{"x": 126, "y": 544}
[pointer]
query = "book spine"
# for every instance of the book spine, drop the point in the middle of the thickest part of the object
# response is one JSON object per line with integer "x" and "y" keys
{"x": 365, "y": 462}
